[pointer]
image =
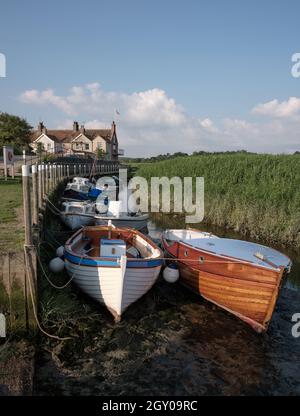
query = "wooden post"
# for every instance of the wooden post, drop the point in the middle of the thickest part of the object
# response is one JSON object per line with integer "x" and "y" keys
{"x": 27, "y": 204}
{"x": 50, "y": 178}
{"x": 40, "y": 186}
{"x": 29, "y": 249}
{"x": 55, "y": 174}
{"x": 46, "y": 179}
{"x": 35, "y": 194}
{"x": 68, "y": 171}
{"x": 5, "y": 162}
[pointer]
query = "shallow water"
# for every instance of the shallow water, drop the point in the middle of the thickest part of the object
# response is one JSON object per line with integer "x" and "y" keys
{"x": 172, "y": 342}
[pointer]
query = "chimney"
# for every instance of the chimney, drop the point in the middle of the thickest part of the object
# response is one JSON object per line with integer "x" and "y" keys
{"x": 113, "y": 127}
{"x": 40, "y": 127}
{"x": 75, "y": 126}
{"x": 82, "y": 129}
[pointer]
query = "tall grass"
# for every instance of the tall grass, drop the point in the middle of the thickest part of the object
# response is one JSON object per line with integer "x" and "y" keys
{"x": 254, "y": 194}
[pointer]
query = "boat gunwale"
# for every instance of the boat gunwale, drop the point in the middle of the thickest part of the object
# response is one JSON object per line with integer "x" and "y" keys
{"x": 109, "y": 259}
{"x": 223, "y": 256}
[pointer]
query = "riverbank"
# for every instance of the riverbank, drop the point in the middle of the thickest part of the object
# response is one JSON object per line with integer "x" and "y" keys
{"x": 255, "y": 195}
{"x": 17, "y": 350}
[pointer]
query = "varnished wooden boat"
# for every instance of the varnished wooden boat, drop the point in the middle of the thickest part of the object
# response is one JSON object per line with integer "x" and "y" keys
{"x": 115, "y": 266}
{"x": 241, "y": 277}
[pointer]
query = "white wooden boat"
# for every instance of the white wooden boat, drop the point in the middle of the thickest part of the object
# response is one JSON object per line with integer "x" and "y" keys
{"x": 77, "y": 214}
{"x": 137, "y": 220}
{"x": 114, "y": 266}
{"x": 241, "y": 277}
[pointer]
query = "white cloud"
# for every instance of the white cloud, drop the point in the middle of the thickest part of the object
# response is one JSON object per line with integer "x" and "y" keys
{"x": 275, "y": 108}
{"x": 46, "y": 97}
{"x": 150, "y": 122}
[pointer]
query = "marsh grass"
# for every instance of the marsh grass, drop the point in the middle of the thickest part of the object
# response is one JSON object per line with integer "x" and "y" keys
{"x": 253, "y": 194}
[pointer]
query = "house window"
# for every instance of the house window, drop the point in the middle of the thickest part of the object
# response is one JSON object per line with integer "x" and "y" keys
{"x": 77, "y": 145}
{"x": 87, "y": 146}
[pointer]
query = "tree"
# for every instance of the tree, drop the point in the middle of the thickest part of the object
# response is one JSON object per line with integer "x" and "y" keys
{"x": 39, "y": 150}
{"x": 14, "y": 131}
{"x": 101, "y": 153}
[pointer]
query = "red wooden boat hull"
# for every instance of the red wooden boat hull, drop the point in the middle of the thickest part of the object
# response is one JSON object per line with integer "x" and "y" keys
{"x": 247, "y": 291}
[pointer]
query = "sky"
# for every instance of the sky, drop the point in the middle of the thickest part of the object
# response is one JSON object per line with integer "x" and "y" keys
{"x": 183, "y": 75}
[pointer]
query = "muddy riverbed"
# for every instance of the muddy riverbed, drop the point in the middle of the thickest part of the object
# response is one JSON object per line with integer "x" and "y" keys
{"x": 172, "y": 342}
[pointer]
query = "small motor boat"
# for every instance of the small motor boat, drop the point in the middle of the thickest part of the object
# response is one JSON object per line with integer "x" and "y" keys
{"x": 115, "y": 266}
{"x": 239, "y": 276}
{"x": 113, "y": 213}
{"x": 80, "y": 189}
{"x": 77, "y": 214}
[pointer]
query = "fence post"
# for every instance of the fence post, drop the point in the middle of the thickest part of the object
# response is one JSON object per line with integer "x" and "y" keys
{"x": 35, "y": 194}
{"x": 55, "y": 175}
{"x": 43, "y": 182}
{"x": 29, "y": 249}
{"x": 26, "y": 204}
{"x": 50, "y": 178}
{"x": 46, "y": 179}
{"x": 40, "y": 185}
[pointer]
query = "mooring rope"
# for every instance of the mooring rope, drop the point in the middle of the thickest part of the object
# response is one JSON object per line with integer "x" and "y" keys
{"x": 47, "y": 277}
{"x": 33, "y": 302}
{"x": 55, "y": 208}
{"x": 45, "y": 274}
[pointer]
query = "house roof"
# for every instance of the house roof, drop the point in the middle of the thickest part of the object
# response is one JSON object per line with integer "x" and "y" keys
{"x": 66, "y": 136}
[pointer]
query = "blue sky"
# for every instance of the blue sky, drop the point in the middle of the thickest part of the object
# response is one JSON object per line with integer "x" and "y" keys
{"x": 190, "y": 70}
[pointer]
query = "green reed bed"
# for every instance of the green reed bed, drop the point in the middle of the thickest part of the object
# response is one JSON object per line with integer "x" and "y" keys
{"x": 254, "y": 194}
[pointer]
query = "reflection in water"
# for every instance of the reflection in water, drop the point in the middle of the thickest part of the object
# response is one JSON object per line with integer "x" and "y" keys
{"x": 160, "y": 222}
